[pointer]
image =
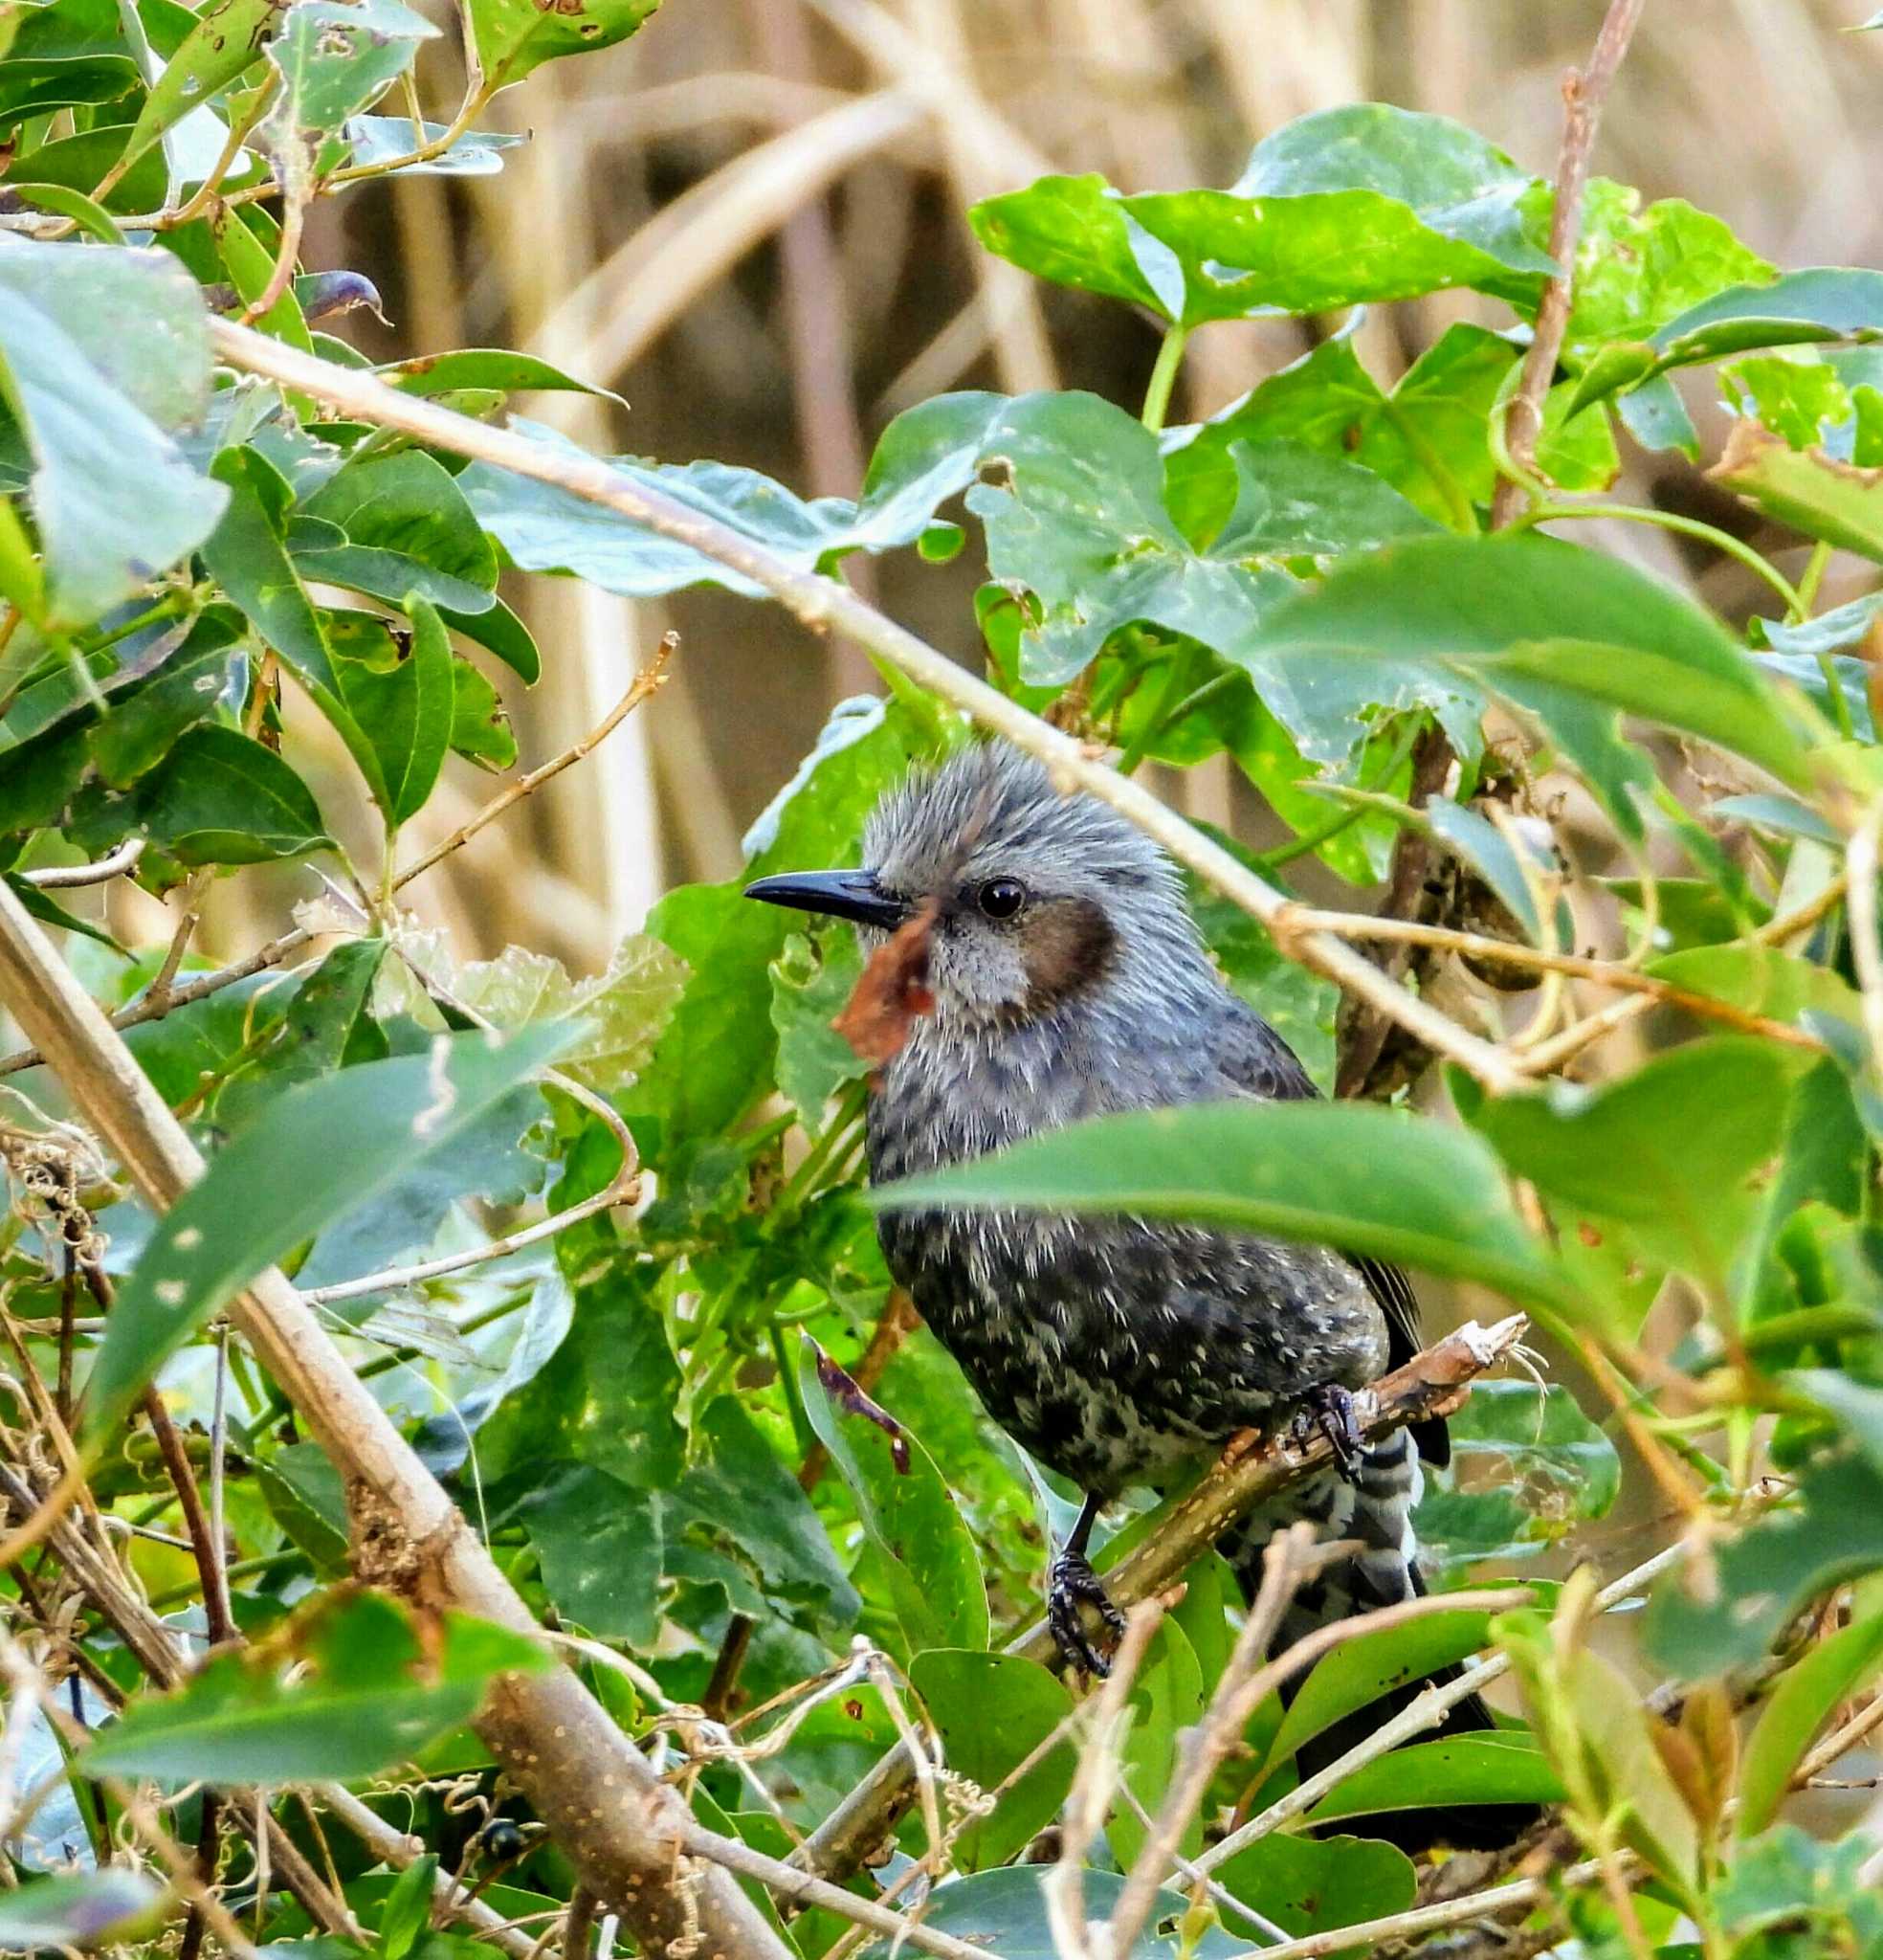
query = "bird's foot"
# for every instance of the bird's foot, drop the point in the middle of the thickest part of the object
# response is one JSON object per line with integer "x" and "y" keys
{"x": 1329, "y": 1412}
{"x": 1073, "y": 1584}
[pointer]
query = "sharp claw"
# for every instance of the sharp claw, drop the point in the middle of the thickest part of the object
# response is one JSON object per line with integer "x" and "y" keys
{"x": 1330, "y": 1412}
{"x": 1074, "y": 1584}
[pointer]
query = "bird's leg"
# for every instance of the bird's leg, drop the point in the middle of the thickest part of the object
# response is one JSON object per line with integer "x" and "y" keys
{"x": 1072, "y": 1584}
{"x": 1329, "y": 1410}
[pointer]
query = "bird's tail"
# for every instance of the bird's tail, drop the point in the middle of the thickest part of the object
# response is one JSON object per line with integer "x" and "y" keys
{"x": 1375, "y": 1507}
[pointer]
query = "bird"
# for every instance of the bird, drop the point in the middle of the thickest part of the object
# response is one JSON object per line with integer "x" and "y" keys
{"x": 1065, "y": 978}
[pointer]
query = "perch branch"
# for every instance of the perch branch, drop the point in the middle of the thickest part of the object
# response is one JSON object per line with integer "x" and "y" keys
{"x": 1433, "y": 1383}
{"x": 596, "y": 1793}
{"x": 67, "y": 877}
{"x": 824, "y": 606}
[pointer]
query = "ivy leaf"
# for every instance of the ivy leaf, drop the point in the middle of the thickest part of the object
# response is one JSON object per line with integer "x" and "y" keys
{"x": 1362, "y": 203}
{"x": 811, "y": 979}
{"x": 599, "y": 1544}
{"x": 319, "y": 1148}
{"x": 1807, "y": 489}
{"x": 114, "y": 498}
{"x": 992, "y": 1710}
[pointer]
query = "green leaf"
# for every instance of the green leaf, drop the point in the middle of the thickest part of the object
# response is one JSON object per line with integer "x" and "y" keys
{"x": 1293, "y": 503}
{"x": 114, "y": 499}
{"x": 600, "y": 1546}
{"x": 136, "y": 735}
{"x": 1005, "y": 1913}
{"x": 1529, "y": 617}
{"x": 1636, "y": 269}
{"x": 498, "y": 630}
{"x": 1759, "y": 979}
{"x": 481, "y": 728}
{"x": 84, "y": 1910}
{"x": 220, "y": 798}
{"x": 246, "y": 556}
{"x": 1362, "y": 203}
{"x": 1425, "y": 437}
{"x": 226, "y": 41}
{"x": 407, "y": 712}
{"x": 812, "y": 978}
{"x": 1318, "y": 1884}
{"x": 436, "y": 374}
{"x": 992, "y": 1710}
{"x": 326, "y": 1026}
{"x": 408, "y": 530}
{"x": 1468, "y": 1769}
{"x": 1832, "y": 1533}
{"x": 1798, "y": 1708}
{"x": 68, "y": 56}
{"x": 1671, "y": 1151}
{"x": 547, "y": 529}
{"x": 510, "y": 37}
{"x": 1538, "y": 1441}
{"x": 1800, "y": 399}
{"x": 1807, "y": 489}
{"x": 1166, "y": 1702}
{"x": 925, "y": 1550}
{"x": 366, "y": 1704}
{"x": 1079, "y": 520}
{"x": 1461, "y": 186}
{"x": 335, "y": 56}
{"x": 1491, "y": 854}
{"x": 1823, "y": 303}
{"x": 377, "y": 141}
{"x": 317, "y": 1150}
{"x": 621, "y": 1010}
{"x": 1361, "y": 1178}
{"x": 1357, "y": 1673}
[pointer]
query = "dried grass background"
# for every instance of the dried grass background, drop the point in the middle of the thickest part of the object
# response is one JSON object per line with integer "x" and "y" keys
{"x": 749, "y": 220}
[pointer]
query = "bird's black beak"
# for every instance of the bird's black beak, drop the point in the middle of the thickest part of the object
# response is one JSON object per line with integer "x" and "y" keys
{"x": 841, "y": 893}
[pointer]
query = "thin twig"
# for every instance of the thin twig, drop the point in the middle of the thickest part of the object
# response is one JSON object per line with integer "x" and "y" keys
{"x": 66, "y": 878}
{"x": 652, "y": 676}
{"x": 1583, "y": 94}
{"x": 1478, "y": 946}
{"x": 1292, "y": 1559}
{"x": 824, "y": 605}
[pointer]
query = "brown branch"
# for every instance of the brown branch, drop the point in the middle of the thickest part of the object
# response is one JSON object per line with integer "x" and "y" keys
{"x": 652, "y": 678}
{"x": 598, "y": 1795}
{"x": 1583, "y": 94}
{"x": 825, "y": 605}
{"x": 1433, "y": 1383}
{"x": 1364, "y": 1026}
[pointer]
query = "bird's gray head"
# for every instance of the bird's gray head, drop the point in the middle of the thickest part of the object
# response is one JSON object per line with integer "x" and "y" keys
{"x": 1040, "y": 900}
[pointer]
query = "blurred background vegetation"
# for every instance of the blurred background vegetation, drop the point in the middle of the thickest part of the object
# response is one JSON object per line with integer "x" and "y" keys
{"x": 749, "y": 221}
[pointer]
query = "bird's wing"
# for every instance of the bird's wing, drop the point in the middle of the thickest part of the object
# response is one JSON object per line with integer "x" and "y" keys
{"x": 1254, "y": 1061}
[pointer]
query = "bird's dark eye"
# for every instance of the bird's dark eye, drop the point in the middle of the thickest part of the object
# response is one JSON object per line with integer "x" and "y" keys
{"x": 1001, "y": 897}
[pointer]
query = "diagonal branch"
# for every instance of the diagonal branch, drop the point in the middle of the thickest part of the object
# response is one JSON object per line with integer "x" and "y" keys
{"x": 824, "y": 606}
{"x": 600, "y": 1797}
{"x": 1430, "y": 1383}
